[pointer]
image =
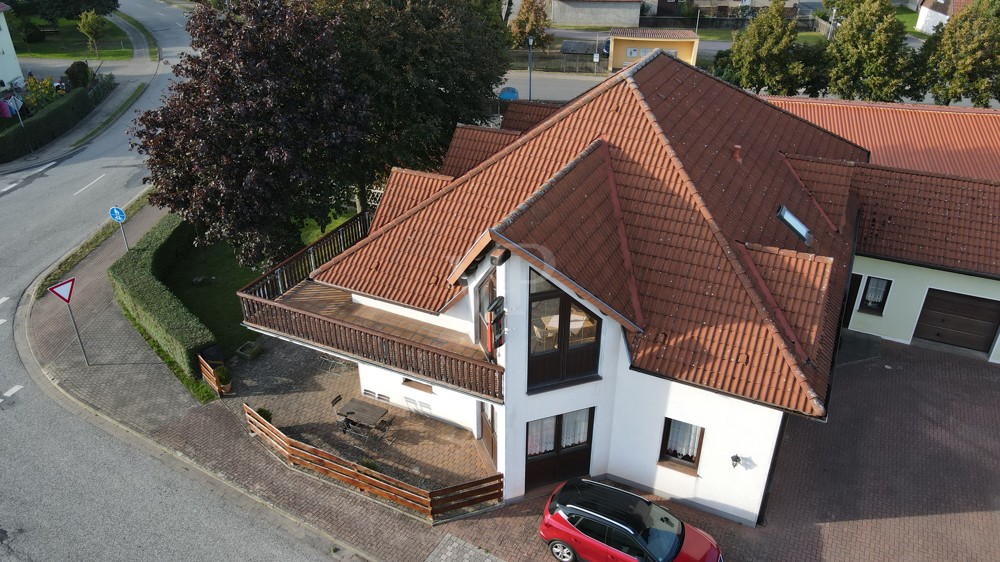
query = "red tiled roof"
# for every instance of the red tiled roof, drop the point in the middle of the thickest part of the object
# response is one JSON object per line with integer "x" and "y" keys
{"x": 523, "y": 115}
{"x": 471, "y": 145}
{"x": 581, "y": 202}
{"x": 942, "y": 140}
{"x": 940, "y": 221}
{"x": 403, "y": 190}
{"x": 710, "y": 315}
{"x": 652, "y": 33}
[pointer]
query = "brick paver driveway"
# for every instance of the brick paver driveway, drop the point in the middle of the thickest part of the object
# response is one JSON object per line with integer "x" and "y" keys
{"x": 906, "y": 468}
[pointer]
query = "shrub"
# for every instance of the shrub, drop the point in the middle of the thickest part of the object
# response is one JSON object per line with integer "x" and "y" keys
{"x": 371, "y": 464}
{"x": 31, "y": 33}
{"x": 223, "y": 376}
{"x": 138, "y": 290}
{"x": 40, "y": 93}
{"x": 264, "y": 413}
{"x": 78, "y": 74}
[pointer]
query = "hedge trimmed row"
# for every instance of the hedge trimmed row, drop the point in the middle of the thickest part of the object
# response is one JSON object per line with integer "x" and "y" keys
{"x": 138, "y": 290}
{"x": 54, "y": 120}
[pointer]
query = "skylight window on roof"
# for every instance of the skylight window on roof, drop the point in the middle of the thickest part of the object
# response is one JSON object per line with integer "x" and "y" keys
{"x": 793, "y": 222}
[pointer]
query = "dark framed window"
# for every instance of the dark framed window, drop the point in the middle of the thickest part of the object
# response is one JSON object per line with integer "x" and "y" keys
{"x": 557, "y": 433}
{"x": 681, "y": 443}
{"x": 485, "y": 294}
{"x": 875, "y": 295}
{"x": 563, "y": 337}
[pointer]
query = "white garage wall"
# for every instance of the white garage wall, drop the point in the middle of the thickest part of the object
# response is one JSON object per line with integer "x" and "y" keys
{"x": 906, "y": 297}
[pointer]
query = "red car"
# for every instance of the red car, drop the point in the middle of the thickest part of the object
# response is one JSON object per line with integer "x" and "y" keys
{"x": 594, "y": 522}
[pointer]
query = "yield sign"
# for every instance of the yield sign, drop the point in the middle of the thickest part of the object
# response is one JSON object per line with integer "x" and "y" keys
{"x": 63, "y": 290}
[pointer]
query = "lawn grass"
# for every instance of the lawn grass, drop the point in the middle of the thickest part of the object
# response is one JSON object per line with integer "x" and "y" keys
{"x": 311, "y": 232}
{"x": 214, "y": 302}
{"x": 715, "y": 34}
{"x": 69, "y": 43}
{"x": 909, "y": 19}
{"x": 810, "y": 37}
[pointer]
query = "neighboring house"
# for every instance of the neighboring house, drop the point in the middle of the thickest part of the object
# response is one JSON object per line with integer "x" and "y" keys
{"x": 596, "y": 12}
{"x": 928, "y": 256}
{"x": 629, "y": 44}
{"x": 10, "y": 68}
{"x": 641, "y": 285}
{"x": 933, "y": 12}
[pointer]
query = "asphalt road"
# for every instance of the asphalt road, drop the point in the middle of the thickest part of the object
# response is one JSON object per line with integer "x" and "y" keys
{"x": 68, "y": 489}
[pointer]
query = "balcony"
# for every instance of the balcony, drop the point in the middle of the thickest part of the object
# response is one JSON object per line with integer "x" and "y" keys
{"x": 285, "y": 303}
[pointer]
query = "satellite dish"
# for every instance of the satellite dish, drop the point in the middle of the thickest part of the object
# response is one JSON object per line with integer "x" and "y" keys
{"x": 508, "y": 94}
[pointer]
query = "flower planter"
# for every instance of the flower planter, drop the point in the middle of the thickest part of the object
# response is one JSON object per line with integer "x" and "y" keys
{"x": 249, "y": 350}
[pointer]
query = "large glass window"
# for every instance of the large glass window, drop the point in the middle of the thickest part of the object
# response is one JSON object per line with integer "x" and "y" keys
{"x": 556, "y": 433}
{"x": 563, "y": 337}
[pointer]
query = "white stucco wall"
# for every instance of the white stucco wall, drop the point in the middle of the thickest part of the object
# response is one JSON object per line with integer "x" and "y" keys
{"x": 906, "y": 297}
{"x": 731, "y": 427}
{"x": 595, "y": 13}
{"x": 10, "y": 68}
{"x": 520, "y": 408}
{"x": 927, "y": 19}
{"x": 441, "y": 403}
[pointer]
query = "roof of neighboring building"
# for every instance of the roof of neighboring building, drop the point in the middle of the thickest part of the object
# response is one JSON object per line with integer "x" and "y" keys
{"x": 942, "y": 140}
{"x": 727, "y": 297}
{"x": 404, "y": 189}
{"x": 522, "y": 115}
{"x": 652, "y": 33}
{"x": 940, "y": 221}
{"x": 471, "y": 145}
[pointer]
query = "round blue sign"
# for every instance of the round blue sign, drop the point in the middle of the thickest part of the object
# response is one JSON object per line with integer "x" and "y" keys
{"x": 117, "y": 214}
{"x": 508, "y": 93}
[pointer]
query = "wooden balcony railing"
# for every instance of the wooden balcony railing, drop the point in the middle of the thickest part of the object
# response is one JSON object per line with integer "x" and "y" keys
{"x": 260, "y": 310}
{"x": 295, "y": 269}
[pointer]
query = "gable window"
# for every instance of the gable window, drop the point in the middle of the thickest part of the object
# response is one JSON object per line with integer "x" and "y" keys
{"x": 875, "y": 295}
{"x": 563, "y": 337}
{"x": 485, "y": 294}
{"x": 681, "y": 444}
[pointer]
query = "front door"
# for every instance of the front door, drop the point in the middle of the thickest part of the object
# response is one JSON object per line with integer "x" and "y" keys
{"x": 559, "y": 447}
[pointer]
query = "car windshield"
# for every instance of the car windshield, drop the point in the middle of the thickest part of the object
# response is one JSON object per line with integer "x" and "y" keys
{"x": 663, "y": 533}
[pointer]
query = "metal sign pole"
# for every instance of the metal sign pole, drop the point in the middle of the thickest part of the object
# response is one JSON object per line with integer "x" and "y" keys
{"x": 125, "y": 238}
{"x": 77, "y": 330}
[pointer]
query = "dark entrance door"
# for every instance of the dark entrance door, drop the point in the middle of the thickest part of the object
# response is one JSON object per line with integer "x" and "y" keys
{"x": 959, "y": 320}
{"x": 559, "y": 447}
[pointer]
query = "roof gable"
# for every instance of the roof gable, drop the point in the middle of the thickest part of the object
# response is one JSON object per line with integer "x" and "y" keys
{"x": 569, "y": 227}
{"x": 405, "y": 189}
{"x": 523, "y": 115}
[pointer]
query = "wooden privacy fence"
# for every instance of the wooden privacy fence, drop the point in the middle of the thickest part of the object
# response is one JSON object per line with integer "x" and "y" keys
{"x": 432, "y": 504}
{"x": 208, "y": 373}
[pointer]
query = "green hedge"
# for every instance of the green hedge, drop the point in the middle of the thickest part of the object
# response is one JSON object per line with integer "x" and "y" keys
{"x": 150, "y": 303}
{"x": 53, "y": 121}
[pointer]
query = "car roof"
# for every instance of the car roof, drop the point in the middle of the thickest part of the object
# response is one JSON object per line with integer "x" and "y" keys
{"x": 607, "y": 501}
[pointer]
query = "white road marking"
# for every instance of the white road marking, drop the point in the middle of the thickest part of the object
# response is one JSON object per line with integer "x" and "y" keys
{"x": 4, "y": 299}
{"x": 2, "y": 321}
{"x": 90, "y": 184}
{"x": 161, "y": 14}
{"x": 27, "y": 175}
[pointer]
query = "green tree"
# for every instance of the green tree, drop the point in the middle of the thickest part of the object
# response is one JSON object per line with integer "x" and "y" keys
{"x": 424, "y": 66}
{"x": 967, "y": 62}
{"x": 811, "y": 68}
{"x": 843, "y": 7}
{"x": 923, "y": 74}
{"x": 93, "y": 26}
{"x": 246, "y": 144}
{"x": 531, "y": 21}
{"x": 761, "y": 52}
{"x": 869, "y": 54}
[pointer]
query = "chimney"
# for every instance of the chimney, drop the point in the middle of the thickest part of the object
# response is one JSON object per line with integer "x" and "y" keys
{"x": 736, "y": 153}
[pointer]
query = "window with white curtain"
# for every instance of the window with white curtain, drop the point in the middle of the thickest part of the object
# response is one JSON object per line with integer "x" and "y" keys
{"x": 541, "y": 436}
{"x": 575, "y": 425}
{"x": 681, "y": 442}
{"x": 556, "y": 433}
{"x": 875, "y": 295}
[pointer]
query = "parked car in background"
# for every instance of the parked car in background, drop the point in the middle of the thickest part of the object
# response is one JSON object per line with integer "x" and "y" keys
{"x": 593, "y": 522}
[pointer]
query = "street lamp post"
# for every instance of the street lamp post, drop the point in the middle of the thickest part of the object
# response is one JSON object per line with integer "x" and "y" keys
{"x": 531, "y": 42}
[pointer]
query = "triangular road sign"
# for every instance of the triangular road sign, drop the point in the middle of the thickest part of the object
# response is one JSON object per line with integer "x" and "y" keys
{"x": 63, "y": 290}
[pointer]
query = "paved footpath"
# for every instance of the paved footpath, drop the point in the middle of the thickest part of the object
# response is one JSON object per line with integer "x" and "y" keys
{"x": 905, "y": 469}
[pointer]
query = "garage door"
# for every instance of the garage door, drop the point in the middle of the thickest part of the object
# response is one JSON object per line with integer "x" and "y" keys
{"x": 959, "y": 320}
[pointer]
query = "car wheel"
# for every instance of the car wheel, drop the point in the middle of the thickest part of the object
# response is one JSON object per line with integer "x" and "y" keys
{"x": 562, "y": 551}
